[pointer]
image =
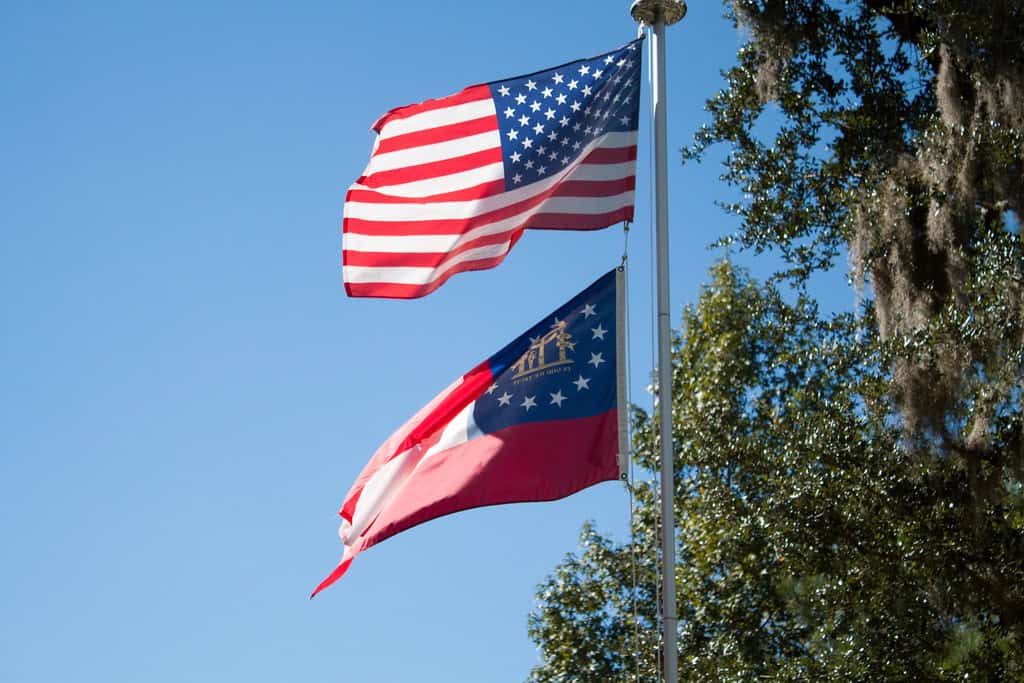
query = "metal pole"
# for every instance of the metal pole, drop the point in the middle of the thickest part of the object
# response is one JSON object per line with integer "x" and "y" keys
{"x": 658, "y": 14}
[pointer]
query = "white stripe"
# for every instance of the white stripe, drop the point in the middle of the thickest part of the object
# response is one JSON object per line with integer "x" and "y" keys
{"x": 387, "y": 482}
{"x": 378, "y": 492}
{"x": 433, "y": 211}
{"x": 440, "y": 211}
{"x": 438, "y": 244}
{"x": 410, "y": 275}
{"x": 460, "y": 430}
{"x": 439, "y": 151}
{"x": 387, "y": 479}
{"x": 417, "y": 276}
{"x": 626, "y": 169}
{"x": 445, "y": 183}
{"x": 477, "y": 176}
{"x": 586, "y": 205}
{"x": 436, "y": 118}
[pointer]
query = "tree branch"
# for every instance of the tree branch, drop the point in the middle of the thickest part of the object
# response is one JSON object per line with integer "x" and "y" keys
{"x": 905, "y": 23}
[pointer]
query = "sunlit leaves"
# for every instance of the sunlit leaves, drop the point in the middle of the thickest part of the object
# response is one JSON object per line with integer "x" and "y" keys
{"x": 850, "y": 488}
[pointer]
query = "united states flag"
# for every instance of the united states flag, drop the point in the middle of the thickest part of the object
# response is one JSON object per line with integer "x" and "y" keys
{"x": 452, "y": 183}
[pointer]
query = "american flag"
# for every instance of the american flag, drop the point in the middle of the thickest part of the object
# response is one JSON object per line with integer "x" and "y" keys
{"x": 452, "y": 183}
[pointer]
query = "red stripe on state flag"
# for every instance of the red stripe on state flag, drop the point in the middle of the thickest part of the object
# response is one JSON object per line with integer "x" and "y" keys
{"x": 473, "y": 384}
{"x": 333, "y": 577}
{"x": 534, "y": 461}
{"x": 537, "y": 461}
{"x": 423, "y": 429}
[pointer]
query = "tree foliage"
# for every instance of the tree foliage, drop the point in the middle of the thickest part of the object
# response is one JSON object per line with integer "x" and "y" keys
{"x": 849, "y": 487}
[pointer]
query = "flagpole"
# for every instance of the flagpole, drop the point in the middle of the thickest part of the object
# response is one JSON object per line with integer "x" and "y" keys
{"x": 658, "y": 14}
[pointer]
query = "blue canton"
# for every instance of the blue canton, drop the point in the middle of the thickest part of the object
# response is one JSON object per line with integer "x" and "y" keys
{"x": 562, "y": 368}
{"x": 548, "y": 119}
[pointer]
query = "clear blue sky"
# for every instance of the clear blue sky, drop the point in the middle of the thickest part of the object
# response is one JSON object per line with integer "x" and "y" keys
{"x": 188, "y": 394}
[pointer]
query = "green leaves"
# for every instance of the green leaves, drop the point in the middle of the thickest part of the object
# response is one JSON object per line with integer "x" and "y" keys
{"x": 849, "y": 489}
{"x": 813, "y": 542}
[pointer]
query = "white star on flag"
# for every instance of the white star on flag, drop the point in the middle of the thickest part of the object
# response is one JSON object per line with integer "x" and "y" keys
{"x": 453, "y": 182}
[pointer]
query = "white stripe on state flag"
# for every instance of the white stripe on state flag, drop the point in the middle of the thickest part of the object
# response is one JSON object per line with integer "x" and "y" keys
{"x": 388, "y": 469}
{"x": 378, "y": 492}
{"x": 462, "y": 429}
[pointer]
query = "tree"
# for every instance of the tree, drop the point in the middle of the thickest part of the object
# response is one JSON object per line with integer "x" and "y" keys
{"x": 849, "y": 488}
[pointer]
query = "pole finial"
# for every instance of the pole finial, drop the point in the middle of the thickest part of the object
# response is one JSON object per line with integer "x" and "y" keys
{"x": 649, "y": 11}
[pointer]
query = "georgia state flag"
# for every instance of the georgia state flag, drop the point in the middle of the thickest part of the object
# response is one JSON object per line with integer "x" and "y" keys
{"x": 539, "y": 420}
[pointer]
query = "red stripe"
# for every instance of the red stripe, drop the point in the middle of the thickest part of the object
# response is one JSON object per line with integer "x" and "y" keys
{"x": 595, "y": 188}
{"x": 577, "y": 221}
{"x": 420, "y": 259}
{"x": 434, "y": 169}
{"x": 495, "y": 187}
{"x": 567, "y": 188}
{"x": 387, "y": 290}
{"x": 413, "y": 429}
{"x": 428, "y": 431}
{"x": 527, "y": 462}
{"x": 336, "y": 574}
{"x": 536, "y": 461}
{"x": 543, "y": 221}
{"x": 453, "y": 131}
{"x": 473, "y": 93}
{"x": 588, "y": 188}
{"x": 406, "y": 174}
{"x": 611, "y": 155}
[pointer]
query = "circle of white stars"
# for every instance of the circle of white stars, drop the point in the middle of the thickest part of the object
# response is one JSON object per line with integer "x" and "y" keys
{"x": 581, "y": 383}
